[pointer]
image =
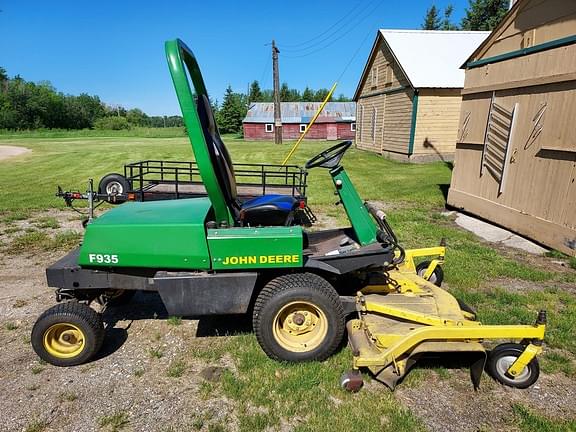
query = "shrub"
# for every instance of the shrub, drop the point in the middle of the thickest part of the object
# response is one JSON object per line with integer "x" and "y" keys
{"x": 112, "y": 123}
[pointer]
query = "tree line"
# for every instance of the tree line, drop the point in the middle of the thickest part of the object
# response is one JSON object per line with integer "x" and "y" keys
{"x": 26, "y": 105}
{"x": 481, "y": 15}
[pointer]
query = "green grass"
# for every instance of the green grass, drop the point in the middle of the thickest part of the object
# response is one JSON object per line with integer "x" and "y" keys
{"x": 36, "y": 426}
{"x": 114, "y": 422}
{"x": 174, "y": 321}
{"x": 176, "y": 369}
{"x": 528, "y": 421}
{"x": 42, "y": 241}
{"x": 308, "y": 395}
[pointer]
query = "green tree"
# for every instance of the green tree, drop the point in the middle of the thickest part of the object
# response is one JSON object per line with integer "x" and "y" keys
{"x": 321, "y": 94}
{"x": 447, "y": 21}
{"x": 431, "y": 19}
{"x": 232, "y": 112}
{"x": 255, "y": 92}
{"x": 307, "y": 95}
{"x": 137, "y": 117}
{"x": 484, "y": 14}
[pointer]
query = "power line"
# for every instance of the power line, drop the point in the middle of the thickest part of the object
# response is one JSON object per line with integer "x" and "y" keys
{"x": 333, "y": 41}
{"x": 350, "y": 16}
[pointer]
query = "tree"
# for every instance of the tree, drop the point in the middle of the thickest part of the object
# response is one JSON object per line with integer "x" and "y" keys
{"x": 484, "y": 14}
{"x": 232, "y": 112}
{"x": 307, "y": 95}
{"x": 432, "y": 19}
{"x": 321, "y": 94}
{"x": 255, "y": 92}
{"x": 447, "y": 22}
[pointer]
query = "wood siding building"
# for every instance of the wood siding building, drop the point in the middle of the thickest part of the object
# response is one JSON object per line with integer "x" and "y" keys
{"x": 336, "y": 122}
{"x": 408, "y": 98}
{"x": 516, "y": 150}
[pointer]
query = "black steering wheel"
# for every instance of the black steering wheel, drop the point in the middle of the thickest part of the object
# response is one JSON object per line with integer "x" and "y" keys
{"x": 329, "y": 158}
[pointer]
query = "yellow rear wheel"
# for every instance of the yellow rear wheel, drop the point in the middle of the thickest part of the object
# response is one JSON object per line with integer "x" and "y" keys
{"x": 300, "y": 326}
{"x": 298, "y": 317}
{"x": 64, "y": 340}
{"x": 68, "y": 334}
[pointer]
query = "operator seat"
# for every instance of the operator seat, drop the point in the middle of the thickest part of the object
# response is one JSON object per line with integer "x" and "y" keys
{"x": 265, "y": 210}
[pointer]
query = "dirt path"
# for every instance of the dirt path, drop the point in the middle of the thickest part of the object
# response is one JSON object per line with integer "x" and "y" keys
{"x": 7, "y": 151}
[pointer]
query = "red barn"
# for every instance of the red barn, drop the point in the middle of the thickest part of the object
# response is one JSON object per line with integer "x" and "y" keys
{"x": 336, "y": 122}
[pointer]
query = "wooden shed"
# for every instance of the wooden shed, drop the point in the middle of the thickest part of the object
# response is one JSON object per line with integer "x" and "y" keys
{"x": 408, "y": 97}
{"x": 516, "y": 150}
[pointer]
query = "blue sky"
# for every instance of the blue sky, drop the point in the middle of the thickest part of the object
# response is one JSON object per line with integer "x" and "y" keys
{"x": 115, "y": 49}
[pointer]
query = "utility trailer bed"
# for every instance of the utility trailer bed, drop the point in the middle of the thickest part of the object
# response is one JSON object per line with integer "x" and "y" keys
{"x": 151, "y": 180}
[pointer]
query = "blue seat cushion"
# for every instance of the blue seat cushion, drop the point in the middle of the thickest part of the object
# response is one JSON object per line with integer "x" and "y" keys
{"x": 268, "y": 210}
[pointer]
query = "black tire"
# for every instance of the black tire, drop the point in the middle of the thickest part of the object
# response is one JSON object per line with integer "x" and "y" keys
{"x": 119, "y": 297}
{"x": 71, "y": 317}
{"x": 437, "y": 275}
{"x": 112, "y": 185}
{"x": 502, "y": 357}
{"x": 289, "y": 297}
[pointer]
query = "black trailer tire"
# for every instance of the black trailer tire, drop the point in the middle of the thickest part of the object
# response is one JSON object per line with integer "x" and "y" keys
{"x": 437, "y": 275}
{"x": 119, "y": 297}
{"x": 68, "y": 334}
{"x": 112, "y": 185}
{"x": 502, "y": 357}
{"x": 298, "y": 317}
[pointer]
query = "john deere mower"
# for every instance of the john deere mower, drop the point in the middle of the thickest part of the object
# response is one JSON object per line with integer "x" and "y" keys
{"x": 218, "y": 255}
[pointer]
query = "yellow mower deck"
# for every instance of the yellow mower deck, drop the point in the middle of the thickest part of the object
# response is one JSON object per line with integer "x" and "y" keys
{"x": 406, "y": 316}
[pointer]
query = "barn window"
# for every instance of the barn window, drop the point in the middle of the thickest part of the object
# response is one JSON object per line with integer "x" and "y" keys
{"x": 388, "y": 74}
{"x": 353, "y": 127}
{"x": 302, "y": 128}
{"x": 359, "y": 132}
{"x": 269, "y": 127}
{"x": 374, "y": 111}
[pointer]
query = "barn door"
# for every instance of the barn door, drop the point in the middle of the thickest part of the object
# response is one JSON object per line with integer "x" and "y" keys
{"x": 499, "y": 135}
{"x": 331, "y": 132}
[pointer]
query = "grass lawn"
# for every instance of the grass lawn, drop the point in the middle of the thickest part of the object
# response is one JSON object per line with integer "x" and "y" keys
{"x": 414, "y": 199}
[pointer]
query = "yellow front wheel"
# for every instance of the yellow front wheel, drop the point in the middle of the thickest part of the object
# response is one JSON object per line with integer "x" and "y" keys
{"x": 68, "y": 334}
{"x": 298, "y": 317}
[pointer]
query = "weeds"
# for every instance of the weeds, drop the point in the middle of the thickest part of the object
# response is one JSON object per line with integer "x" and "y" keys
{"x": 174, "y": 321}
{"x": 47, "y": 222}
{"x": 176, "y": 369}
{"x": 36, "y": 426}
{"x": 114, "y": 422}
{"x": 156, "y": 352}
{"x": 10, "y": 326}
{"x": 38, "y": 240}
{"x": 67, "y": 397}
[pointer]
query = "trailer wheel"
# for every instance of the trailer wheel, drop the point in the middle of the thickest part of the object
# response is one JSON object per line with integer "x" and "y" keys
{"x": 112, "y": 185}
{"x": 502, "y": 357}
{"x": 119, "y": 297}
{"x": 298, "y": 317}
{"x": 68, "y": 334}
{"x": 437, "y": 275}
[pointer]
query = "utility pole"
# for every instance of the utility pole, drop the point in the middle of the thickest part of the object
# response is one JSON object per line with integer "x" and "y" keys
{"x": 277, "y": 109}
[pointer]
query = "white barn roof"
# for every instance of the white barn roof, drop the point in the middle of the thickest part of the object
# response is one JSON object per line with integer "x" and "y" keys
{"x": 430, "y": 58}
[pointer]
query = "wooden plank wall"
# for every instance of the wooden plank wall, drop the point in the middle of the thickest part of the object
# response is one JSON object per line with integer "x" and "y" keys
{"x": 393, "y": 109}
{"x": 437, "y": 121}
{"x": 539, "y": 196}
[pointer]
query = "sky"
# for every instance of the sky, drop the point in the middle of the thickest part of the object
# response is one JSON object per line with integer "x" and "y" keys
{"x": 115, "y": 49}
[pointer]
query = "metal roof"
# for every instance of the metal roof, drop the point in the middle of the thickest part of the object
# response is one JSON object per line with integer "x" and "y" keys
{"x": 429, "y": 58}
{"x": 301, "y": 112}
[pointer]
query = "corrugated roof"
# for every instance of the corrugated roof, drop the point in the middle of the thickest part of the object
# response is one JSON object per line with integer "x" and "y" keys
{"x": 432, "y": 58}
{"x": 429, "y": 58}
{"x": 302, "y": 112}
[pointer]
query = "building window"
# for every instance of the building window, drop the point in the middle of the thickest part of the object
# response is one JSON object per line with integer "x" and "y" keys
{"x": 388, "y": 74}
{"x": 374, "y": 77}
{"x": 353, "y": 127}
{"x": 269, "y": 127}
{"x": 361, "y": 129}
{"x": 302, "y": 128}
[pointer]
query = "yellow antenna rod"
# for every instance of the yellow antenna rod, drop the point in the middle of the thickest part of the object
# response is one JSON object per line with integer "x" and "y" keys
{"x": 310, "y": 124}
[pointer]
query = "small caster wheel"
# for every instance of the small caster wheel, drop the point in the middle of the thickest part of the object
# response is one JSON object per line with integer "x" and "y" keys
{"x": 352, "y": 381}
{"x": 437, "y": 275}
{"x": 502, "y": 357}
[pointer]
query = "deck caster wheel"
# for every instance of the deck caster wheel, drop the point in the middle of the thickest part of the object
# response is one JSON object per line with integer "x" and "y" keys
{"x": 502, "y": 357}
{"x": 352, "y": 381}
{"x": 118, "y": 297}
{"x": 437, "y": 275}
{"x": 68, "y": 334}
{"x": 298, "y": 317}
